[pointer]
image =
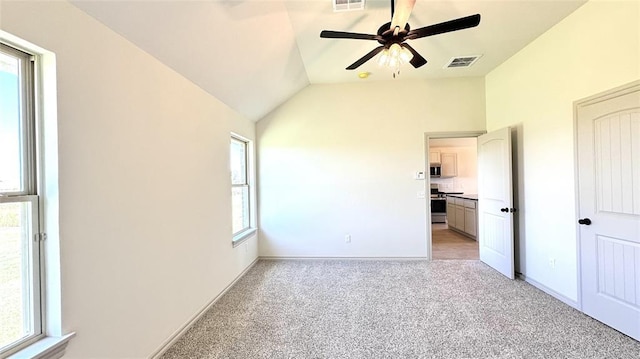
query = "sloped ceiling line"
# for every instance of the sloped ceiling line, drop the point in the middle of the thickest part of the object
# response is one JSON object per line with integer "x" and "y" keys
{"x": 253, "y": 55}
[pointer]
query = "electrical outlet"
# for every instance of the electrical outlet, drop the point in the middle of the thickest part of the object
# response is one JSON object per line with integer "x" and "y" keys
{"x": 420, "y": 194}
{"x": 552, "y": 263}
{"x": 347, "y": 238}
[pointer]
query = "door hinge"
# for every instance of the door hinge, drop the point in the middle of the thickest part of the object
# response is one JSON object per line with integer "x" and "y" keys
{"x": 39, "y": 237}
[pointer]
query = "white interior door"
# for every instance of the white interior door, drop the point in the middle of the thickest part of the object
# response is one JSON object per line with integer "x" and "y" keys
{"x": 495, "y": 201}
{"x": 608, "y": 130}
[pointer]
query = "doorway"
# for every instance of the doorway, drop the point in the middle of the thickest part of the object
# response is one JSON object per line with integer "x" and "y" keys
{"x": 453, "y": 181}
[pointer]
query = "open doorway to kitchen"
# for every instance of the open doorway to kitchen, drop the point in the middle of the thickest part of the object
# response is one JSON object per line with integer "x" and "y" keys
{"x": 453, "y": 182}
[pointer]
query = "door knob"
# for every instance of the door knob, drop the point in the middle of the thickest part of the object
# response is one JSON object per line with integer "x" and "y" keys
{"x": 584, "y": 221}
{"x": 504, "y": 209}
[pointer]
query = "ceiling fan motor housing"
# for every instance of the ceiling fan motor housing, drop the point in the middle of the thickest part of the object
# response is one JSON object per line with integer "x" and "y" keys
{"x": 387, "y": 37}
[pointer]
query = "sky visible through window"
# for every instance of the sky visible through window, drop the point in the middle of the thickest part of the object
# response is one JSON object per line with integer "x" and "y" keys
{"x": 9, "y": 125}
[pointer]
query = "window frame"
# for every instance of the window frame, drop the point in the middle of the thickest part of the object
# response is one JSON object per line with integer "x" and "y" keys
{"x": 53, "y": 341}
{"x": 244, "y": 233}
{"x": 28, "y": 172}
{"x": 29, "y": 193}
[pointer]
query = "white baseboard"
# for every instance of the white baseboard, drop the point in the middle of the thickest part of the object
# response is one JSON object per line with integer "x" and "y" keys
{"x": 176, "y": 335}
{"x": 570, "y": 302}
{"x": 295, "y": 258}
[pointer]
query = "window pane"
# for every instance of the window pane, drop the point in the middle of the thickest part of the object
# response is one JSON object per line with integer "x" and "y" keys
{"x": 240, "y": 208}
{"x": 10, "y": 125}
{"x": 238, "y": 162}
{"x": 16, "y": 279}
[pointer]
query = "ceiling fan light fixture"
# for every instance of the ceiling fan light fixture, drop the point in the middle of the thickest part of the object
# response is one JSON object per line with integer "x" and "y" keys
{"x": 383, "y": 60}
{"x": 394, "y": 50}
{"x": 394, "y": 62}
{"x": 405, "y": 55}
{"x": 394, "y": 57}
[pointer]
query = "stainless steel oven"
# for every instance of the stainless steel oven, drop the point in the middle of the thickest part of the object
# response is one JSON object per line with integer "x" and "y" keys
{"x": 438, "y": 210}
{"x": 438, "y": 205}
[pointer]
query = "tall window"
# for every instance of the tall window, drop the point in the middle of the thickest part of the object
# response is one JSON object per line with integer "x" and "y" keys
{"x": 20, "y": 247}
{"x": 240, "y": 191}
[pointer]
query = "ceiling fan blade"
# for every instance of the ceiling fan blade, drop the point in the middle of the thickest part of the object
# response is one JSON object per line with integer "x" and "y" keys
{"x": 401, "y": 14}
{"x": 365, "y": 58}
{"x": 447, "y": 26}
{"x": 347, "y": 35}
{"x": 417, "y": 59}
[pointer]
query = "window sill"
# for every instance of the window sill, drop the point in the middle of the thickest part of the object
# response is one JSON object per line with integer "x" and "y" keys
{"x": 243, "y": 236}
{"x": 46, "y": 348}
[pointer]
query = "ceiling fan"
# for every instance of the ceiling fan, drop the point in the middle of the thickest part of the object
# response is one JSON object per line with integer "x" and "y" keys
{"x": 392, "y": 36}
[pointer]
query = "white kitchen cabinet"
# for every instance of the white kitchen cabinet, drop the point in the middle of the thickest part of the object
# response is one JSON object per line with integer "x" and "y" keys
{"x": 434, "y": 156}
{"x": 451, "y": 212}
{"x": 462, "y": 216}
{"x": 470, "y": 217}
{"x": 470, "y": 222}
{"x": 449, "y": 164}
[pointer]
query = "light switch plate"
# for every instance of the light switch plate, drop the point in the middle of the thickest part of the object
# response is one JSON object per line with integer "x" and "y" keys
{"x": 419, "y": 175}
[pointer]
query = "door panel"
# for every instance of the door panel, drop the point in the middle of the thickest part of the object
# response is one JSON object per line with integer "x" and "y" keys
{"x": 616, "y": 140}
{"x": 618, "y": 269}
{"x": 495, "y": 227}
{"x": 493, "y": 233}
{"x": 608, "y": 141}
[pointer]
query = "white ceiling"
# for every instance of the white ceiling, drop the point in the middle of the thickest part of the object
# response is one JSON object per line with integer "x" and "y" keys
{"x": 255, "y": 54}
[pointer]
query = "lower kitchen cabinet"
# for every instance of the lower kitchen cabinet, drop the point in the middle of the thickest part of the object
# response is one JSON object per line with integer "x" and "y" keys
{"x": 470, "y": 221}
{"x": 451, "y": 213}
{"x": 462, "y": 216}
{"x": 459, "y": 218}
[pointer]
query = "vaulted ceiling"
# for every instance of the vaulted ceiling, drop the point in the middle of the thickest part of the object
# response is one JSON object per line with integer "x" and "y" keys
{"x": 255, "y": 54}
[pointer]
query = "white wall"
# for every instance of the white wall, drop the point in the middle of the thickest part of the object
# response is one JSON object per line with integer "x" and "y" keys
{"x": 341, "y": 159}
{"x": 594, "y": 49}
{"x": 145, "y": 222}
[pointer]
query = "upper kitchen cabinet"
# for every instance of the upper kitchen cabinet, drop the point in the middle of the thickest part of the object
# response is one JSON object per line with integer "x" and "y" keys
{"x": 434, "y": 156}
{"x": 449, "y": 164}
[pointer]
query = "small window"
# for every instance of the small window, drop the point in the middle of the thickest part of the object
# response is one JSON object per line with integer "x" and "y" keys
{"x": 240, "y": 188}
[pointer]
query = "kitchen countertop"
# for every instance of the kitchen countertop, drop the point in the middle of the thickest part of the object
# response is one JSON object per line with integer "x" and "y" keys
{"x": 450, "y": 192}
{"x": 473, "y": 197}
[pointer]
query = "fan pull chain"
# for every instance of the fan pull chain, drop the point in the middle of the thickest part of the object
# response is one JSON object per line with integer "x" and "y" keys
{"x": 396, "y": 72}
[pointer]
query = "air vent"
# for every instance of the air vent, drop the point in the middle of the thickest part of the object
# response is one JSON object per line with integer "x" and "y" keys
{"x": 347, "y": 5}
{"x": 463, "y": 61}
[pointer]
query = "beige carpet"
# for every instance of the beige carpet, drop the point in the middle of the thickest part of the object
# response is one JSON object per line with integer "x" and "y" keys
{"x": 393, "y": 309}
